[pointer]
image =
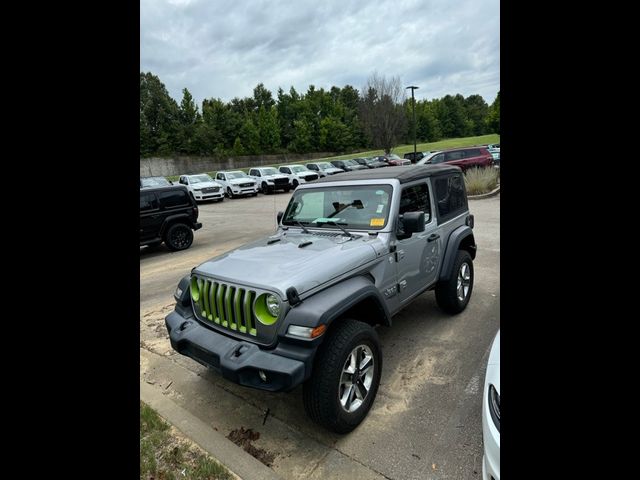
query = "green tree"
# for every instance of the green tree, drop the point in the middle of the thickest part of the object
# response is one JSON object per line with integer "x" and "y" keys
{"x": 493, "y": 119}
{"x": 268, "y": 130}
{"x": 188, "y": 118}
{"x": 334, "y": 135}
{"x": 301, "y": 142}
{"x": 477, "y": 111}
{"x": 250, "y": 137}
{"x": 158, "y": 115}
{"x": 238, "y": 149}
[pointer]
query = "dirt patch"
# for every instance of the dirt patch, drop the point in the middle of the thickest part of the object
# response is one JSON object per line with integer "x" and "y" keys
{"x": 243, "y": 438}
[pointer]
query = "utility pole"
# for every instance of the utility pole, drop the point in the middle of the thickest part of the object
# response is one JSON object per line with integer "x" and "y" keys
{"x": 413, "y": 101}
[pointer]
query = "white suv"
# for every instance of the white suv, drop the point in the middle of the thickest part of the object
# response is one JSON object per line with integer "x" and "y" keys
{"x": 203, "y": 187}
{"x": 237, "y": 183}
{"x": 269, "y": 180}
{"x": 298, "y": 174}
{"x": 324, "y": 168}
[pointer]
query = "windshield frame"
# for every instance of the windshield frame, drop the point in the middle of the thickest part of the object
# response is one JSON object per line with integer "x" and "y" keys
{"x": 387, "y": 185}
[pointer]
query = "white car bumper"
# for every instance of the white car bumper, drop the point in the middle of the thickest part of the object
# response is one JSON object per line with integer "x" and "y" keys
{"x": 208, "y": 196}
{"x": 491, "y": 440}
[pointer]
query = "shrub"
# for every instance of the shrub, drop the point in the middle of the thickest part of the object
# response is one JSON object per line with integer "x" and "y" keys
{"x": 480, "y": 180}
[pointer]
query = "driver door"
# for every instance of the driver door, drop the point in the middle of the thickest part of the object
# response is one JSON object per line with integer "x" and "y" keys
{"x": 417, "y": 257}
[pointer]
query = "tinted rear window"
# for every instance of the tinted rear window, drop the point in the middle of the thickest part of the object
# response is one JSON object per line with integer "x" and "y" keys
{"x": 148, "y": 202}
{"x": 175, "y": 198}
{"x": 450, "y": 196}
{"x": 472, "y": 152}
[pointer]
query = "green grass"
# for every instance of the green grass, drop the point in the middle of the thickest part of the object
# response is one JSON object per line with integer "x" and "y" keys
{"x": 481, "y": 180}
{"x": 164, "y": 456}
{"x": 400, "y": 150}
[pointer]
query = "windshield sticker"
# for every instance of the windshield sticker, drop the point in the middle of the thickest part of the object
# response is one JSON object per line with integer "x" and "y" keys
{"x": 380, "y": 208}
{"x": 379, "y": 192}
{"x": 376, "y": 222}
{"x": 324, "y": 220}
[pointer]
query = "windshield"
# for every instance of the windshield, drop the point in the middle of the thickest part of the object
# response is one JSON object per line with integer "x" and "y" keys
{"x": 360, "y": 207}
{"x": 298, "y": 169}
{"x": 232, "y": 175}
{"x": 154, "y": 182}
{"x": 393, "y": 156}
{"x": 324, "y": 165}
{"x": 269, "y": 171}
{"x": 200, "y": 178}
{"x": 351, "y": 162}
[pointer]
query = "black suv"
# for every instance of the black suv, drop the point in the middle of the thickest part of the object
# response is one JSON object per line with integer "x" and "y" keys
{"x": 169, "y": 215}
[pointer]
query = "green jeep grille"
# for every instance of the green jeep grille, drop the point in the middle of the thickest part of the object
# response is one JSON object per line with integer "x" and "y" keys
{"x": 225, "y": 305}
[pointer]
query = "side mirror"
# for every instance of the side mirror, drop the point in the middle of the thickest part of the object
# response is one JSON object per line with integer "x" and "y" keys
{"x": 279, "y": 217}
{"x": 413, "y": 222}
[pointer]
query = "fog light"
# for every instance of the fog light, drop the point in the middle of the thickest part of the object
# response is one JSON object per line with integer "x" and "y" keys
{"x": 263, "y": 376}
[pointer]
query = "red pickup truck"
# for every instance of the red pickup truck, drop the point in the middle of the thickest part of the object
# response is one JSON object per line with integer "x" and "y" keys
{"x": 465, "y": 158}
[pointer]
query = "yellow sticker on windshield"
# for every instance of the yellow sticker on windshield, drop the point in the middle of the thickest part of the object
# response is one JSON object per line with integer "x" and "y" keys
{"x": 376, "y": 222}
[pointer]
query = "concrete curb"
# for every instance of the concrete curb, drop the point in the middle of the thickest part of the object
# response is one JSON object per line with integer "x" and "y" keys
{"x": 485, "y": 195}
{"x": 225, "y": 451}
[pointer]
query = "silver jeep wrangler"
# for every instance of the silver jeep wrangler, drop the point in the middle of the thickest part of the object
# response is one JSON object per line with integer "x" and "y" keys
{"x": 350, "y": 251}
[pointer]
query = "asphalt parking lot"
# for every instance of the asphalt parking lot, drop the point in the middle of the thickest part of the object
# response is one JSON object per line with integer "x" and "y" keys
{"x": 426, "y": 420}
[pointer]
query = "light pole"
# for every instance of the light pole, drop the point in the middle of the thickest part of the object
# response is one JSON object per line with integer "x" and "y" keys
{"x": 413, "y": 101}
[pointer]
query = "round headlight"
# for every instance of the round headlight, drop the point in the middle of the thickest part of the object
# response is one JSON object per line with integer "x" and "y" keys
{"x": 273, "y": 305}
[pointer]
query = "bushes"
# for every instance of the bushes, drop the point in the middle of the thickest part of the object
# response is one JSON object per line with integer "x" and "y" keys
{"x": 481, "y": 180}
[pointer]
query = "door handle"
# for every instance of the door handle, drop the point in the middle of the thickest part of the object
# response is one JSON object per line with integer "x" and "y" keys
{"x": 432, "y": 237}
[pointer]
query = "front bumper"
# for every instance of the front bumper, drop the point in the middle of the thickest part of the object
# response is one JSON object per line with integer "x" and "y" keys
{"x": 491, "y": 441}
{"x": 237, "y": 360}
{"x": 244, "y": 190}
{"x": 208, "y": 196}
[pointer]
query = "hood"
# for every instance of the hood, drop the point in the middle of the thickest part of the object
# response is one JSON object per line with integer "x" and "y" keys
{"x": 274, "y": 176}
{"x": 333, "y": 170}
{"x": 206, "y": 185}
{"x": 282, "y": 264}
{"x": 238, "y": 181}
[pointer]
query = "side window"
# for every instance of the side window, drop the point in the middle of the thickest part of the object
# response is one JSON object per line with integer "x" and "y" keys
{"x": 450, "y": 156}
{"x": 474, "y": 152}
{"x": 311, "y": 166}
{"x": 416, "y": 199}
{"x": 148, "y": 202}
{"x": 286, "y": 170}
{"x": 438, "y": 158}
{"x": 173, "y": 199}
{"x": 450, "y": 196}
{"x": 219, "y": 176}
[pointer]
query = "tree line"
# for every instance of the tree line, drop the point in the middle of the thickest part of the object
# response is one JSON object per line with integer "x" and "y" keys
{"x": 318, "y": 120}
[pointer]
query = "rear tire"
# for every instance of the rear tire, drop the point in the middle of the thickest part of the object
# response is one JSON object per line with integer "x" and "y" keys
{"x": 453, "y": 295}
{"x": 350, "y": 345}
{"x": 178, "y": 236}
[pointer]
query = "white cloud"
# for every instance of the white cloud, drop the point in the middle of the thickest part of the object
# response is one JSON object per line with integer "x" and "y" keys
{"x": 224, "y": 48}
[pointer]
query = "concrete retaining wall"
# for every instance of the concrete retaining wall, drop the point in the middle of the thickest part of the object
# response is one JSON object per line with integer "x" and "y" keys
{"x": 178, "y": 165}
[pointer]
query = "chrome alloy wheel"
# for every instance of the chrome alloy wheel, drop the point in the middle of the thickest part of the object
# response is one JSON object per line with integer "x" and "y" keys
{"x": 356, "y": 378}
{"x": 464, "y": 281}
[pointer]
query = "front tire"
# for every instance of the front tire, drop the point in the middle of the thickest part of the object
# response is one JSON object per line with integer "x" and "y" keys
{"x": 345, "y": 377}
{"x": 229, "y": 192}
{"x": 178, "y": 237}
{"x": 454, "y": 294}
{"x": 295, "y": 184}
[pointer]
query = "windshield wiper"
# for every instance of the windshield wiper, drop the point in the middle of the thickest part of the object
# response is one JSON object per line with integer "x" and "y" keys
{"x": 304, "y": 229}
{"x": 336, "y": 224}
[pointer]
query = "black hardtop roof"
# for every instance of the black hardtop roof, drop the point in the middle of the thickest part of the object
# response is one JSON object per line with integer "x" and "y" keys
{"x": 164, "y": 187}
{"x": 404, "y": 174}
